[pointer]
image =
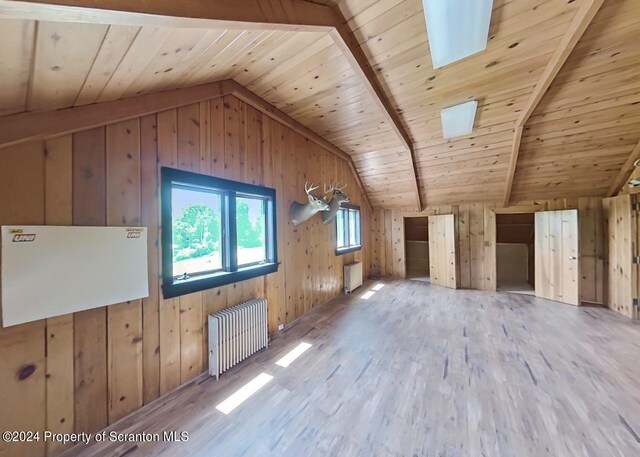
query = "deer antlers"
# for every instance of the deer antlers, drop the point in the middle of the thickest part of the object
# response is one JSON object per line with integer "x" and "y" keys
{"x": 331, "y": 188}
{"x": 308, "y": 189}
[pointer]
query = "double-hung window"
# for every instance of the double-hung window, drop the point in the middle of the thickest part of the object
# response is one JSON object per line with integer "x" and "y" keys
{"x": 348, "y": 237}
{"x": 214, "y": 232}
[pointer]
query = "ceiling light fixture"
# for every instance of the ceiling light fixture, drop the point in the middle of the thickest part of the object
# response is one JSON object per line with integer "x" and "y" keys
{"x": 456, "y": 28}
{"x": 458, "y": 120}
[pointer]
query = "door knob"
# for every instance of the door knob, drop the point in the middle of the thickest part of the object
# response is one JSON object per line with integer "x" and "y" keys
{"x": 572, "y": 257}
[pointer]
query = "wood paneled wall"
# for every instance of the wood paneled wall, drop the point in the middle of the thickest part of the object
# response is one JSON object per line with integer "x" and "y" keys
{"x": 476, "y": 227}
{"x": 84, "y": 371}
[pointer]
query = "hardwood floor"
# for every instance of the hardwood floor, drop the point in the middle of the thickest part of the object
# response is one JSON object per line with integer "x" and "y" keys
{"x": 419, "y": 370}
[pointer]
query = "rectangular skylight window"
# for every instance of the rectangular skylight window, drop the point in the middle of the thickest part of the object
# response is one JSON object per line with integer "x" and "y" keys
{"x": 456, "y": 28}
{"x": 458, "y": 120}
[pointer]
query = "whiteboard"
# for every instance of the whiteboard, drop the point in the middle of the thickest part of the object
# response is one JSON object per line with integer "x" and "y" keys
{"x": 48, "y": 271}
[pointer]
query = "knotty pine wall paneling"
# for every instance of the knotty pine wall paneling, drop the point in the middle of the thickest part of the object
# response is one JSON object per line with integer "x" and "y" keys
{"x": 150, "y": 214}
{"x": 90, "y": 327}
{"x": 84, "y": 371}
{"x": 124, "y": 320}
{"x": 23, "y": 347}
{"x": 59, "y": 383}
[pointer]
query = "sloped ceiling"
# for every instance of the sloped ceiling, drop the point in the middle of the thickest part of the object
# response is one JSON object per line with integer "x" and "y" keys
{"x": 52, "y": 65}
{"x": 581, "y": 133}
{"x": 574, "y": 144}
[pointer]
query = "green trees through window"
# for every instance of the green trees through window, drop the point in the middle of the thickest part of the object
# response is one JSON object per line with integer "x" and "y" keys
{"x": 251, "y": 229}
{"x": 214, "y": 232}
{"x": 197, "y": 231}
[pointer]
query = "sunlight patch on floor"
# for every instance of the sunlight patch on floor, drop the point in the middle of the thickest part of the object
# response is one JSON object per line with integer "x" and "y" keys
{"x": 242, "y": 394}
{"x": 293, "y": 354}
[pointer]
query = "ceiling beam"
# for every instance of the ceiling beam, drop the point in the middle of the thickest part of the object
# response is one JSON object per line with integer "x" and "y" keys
{"x": 625, "y": 172}
{"x": 577, "y": 27}
{"x": 290, "y": 15}
{"x": 346, "y": 41}
{"x": 513, "y": 158}
{"x": 30, "y": 126}
{"x": 20, "y": 128}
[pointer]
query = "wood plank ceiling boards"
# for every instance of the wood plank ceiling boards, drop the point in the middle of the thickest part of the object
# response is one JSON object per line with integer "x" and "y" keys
{"x": 589, "y": 111}
{"x": 358, "y": 73}
{"x": 576, "y": 28}
{"x": 260, "y": 46}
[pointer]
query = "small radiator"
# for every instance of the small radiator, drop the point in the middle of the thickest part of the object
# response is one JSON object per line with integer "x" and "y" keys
{"x": 236, "y": 333}
{"x": 352, "y": 276}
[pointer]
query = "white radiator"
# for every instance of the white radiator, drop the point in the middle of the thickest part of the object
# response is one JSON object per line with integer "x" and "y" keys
{"x": 236, "y": 333}
{"x": 352, "y": 276}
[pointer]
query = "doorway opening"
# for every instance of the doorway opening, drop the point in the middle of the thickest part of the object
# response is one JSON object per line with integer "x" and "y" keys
{"x": 416, "y": 245}
{"x": 515, "y": 259}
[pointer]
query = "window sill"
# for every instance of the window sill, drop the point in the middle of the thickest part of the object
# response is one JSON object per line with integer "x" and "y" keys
{"x": 221, "y": 278}
{"x": 348, "y": 250}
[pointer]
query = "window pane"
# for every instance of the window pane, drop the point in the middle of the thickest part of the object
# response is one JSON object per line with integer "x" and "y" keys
{"x": 340, "y": 228}
{"x": 353, "y": 236}
{"x": 356, "y": 235}
{"x": 251, "y": 229}
{"x": 197, "y": 231}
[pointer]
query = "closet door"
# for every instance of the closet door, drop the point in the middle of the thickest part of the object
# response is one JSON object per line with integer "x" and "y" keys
{"x": 442, "y": 250}
{"x": 556, "y": 256}
{"x": 622, "y": 244}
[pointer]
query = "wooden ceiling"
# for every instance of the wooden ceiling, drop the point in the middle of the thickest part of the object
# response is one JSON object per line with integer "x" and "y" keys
{"x": 52, "y": 65}
{"x": 579, "y": 136}
{"x": 575, "y": 143}
{"x": 588, "y": 122}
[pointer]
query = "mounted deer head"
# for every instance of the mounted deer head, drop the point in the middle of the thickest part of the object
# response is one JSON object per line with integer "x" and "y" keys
{"x": 299, "y": 213}
{"x": 338, "y": 198}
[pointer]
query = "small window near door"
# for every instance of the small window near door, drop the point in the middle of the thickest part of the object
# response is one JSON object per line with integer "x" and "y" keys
{"x": 348, "y": 229}
{"x": 214, "y": 232}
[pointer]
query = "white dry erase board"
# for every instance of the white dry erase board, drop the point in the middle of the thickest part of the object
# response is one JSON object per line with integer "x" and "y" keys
{"x": 49, "y": 271}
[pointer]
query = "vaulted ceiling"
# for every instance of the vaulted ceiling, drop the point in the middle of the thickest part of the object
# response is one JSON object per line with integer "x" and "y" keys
{"x": 575, "y": 143}
{"x": 581, "y": 132}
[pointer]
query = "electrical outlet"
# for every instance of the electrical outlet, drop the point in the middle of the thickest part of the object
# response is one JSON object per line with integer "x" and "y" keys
{"x": 280, "y": 327}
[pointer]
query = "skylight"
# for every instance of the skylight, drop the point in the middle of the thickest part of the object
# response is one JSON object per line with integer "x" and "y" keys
{"x": 456, "y": 28}
{"x": 458, "y": 120}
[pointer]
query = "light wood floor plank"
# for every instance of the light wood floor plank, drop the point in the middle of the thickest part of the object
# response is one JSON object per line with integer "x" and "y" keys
{"x": 418, "y": 370}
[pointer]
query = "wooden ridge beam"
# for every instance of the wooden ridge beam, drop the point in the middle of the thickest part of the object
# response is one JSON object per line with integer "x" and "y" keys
{"x": 20, "y": 128}
{"x": 291, "y": 15}
{"x": 625, "y": 172}
{"x": 577, "y": 27}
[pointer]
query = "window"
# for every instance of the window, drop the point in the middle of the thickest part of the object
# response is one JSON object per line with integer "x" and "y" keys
{"x": 251, "y": 229}
{"x": 214, "y": 232}
{"x": 348, "y": 229}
